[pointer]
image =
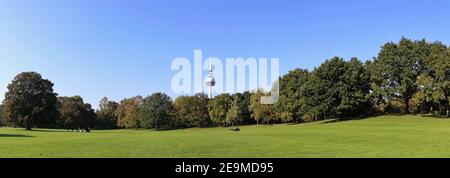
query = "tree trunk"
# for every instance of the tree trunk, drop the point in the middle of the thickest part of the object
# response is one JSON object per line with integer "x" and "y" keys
{"x": 447, "y": 108}
{"x": 28, "y": 122}
{"x": 406, "y": 105}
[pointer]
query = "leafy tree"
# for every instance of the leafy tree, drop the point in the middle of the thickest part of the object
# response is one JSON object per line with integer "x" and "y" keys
{"x": 324, "y": 94}
{"x": 262, "y": 113}
{"x": 2, "y": 121}
{"x": 107, "y": 114}
{"x": 401, "y": 64}
{"x": 355, "y": 93}
{"x": 128, "y": 112}
{"x": 378, "y": 94}
{"x": 242, "y": 101}
{"x": 434, "y": 83}
{"x": 289, "y": 108}
{"x": 338, "y": 89}
{"x": 75, "y": 114}
{"x": 313, "y": 94}
{"x": 425, "y": 99}
{"x": 218, "y": 108}
{"x": 239, "y": 111}
{"x": 192, "y": 111}
{"x": 233, "y": 115}
{"x": 158, "y": 112}
{"x": 439, "y": 62}
{"x": 30, "y": 101}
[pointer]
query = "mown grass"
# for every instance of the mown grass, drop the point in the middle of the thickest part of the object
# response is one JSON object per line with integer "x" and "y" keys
{"x": 385, "y": 136}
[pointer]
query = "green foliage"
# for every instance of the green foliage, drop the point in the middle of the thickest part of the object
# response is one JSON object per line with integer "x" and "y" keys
{"x": 233, "y": 114}
{"x": 262, "y": 113}
{"x": 438, "y": 68}
{"x": 218, "y": 108}
{"x": 378, "y": 94}
{"x": 107, "y": 114}
{"x": 192, "y": 111}
{"x": 158, "y": 112}
{"x": 239, "y": 111}
{"x": 30, "y": 101}
{"x": 74, "y": 113}
{"x": 408, "y": 76}
{"x": 128, "y": 112}
{"x": 337, "y": 89}
{"x": 242, "y": 101}
{"x": 355, "y": 90}
{"x": 2, "y": 121}
{"x": 290, "y": 106}
{"x": 401, "y": 64}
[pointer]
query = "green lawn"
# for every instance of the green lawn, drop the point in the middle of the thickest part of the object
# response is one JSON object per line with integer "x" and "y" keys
{"x": 386, "y": 136}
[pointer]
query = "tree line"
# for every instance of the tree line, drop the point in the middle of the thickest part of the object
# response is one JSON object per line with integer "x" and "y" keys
{"x": 406, "y": 77}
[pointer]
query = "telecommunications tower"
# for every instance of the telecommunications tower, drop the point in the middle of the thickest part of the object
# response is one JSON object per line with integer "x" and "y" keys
{"x": 210, "y": 81}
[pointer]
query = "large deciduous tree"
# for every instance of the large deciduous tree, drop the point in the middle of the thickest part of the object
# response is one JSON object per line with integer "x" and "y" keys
{"x": 241, "y": 103}
{"x": 439, "y": 62}
{"x": 234, "y": 114}
{"x": 192, "y": 111}
{"x": 2, "y": 121}
{"x": 107, "y": 114}
{"x": 158, "y": 112}
{"x": 75, "y": 114}
{"x": 355, "y": 93}
{"x": 401, "y": 64}
{"x": 434, "y": 83}
{"x": 262, "y": 113}
{"x": 128, "y": 112}
{"x": 289, "y": 107}
{"x": 218, "y": 108}
{"x": 30, "y": 101}
{"x": 338, "y": 89}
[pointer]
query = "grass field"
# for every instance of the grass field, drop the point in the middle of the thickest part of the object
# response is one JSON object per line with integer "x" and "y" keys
{"x": 386, "y": 136}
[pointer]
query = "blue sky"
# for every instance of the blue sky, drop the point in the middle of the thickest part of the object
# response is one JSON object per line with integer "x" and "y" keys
{"x": 117, "y": 48}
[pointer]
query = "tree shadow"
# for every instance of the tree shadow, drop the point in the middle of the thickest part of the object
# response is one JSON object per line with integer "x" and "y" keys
{"x": 330, "y": 121}
{"x": 432, "y": 116}
{"x": 374, "y": 116}
{"x": 16, "y": 135}
{"x": 39, "y": 130}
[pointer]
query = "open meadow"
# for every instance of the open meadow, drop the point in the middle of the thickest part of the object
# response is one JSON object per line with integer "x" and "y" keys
{"x": 385, "y": 136}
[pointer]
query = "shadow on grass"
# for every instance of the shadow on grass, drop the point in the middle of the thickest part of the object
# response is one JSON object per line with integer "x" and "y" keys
{"x": 68, "y": 131}
{"x": 40, "y": 130}
{"x": 15, "y": 135}
{"x": 349, "y": 119}
{"x": 434, "y": 116}
{"x": 378, "y": 115}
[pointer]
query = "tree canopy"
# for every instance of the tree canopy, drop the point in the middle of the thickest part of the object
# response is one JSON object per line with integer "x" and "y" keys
{"x": 218, "y": 108}
{"x": 157, "y": 112}
{"x": 107, "y": 114}
{"x": 401, "y": 64}
{"x": 30, "y": 101}
{"x": 290, "y": 107}
{"x": 128, "y": 112}
{"x": 74, "y": 113}
{"x": 192, "y": 111}
{"x": 406, "y": 77}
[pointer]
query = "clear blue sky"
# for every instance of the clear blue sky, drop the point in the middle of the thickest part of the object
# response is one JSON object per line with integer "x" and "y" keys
{"x": 118, "y": 48}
